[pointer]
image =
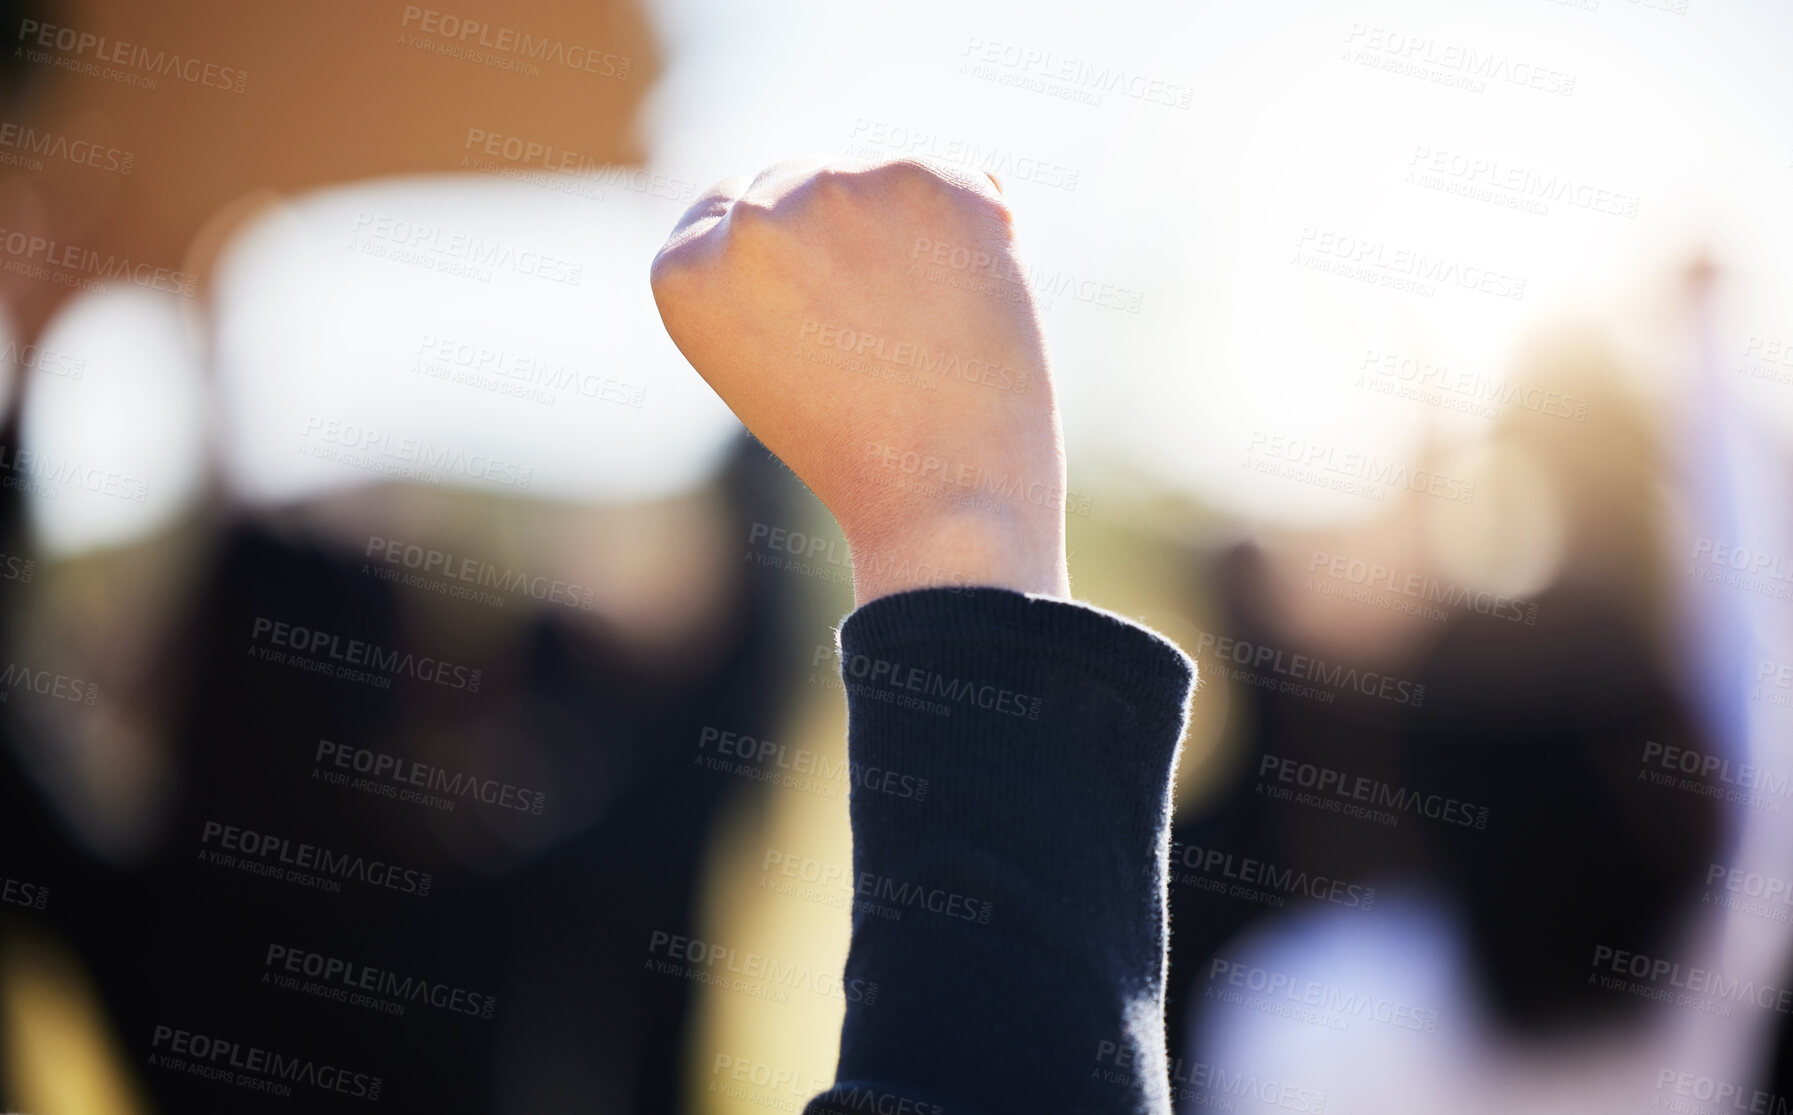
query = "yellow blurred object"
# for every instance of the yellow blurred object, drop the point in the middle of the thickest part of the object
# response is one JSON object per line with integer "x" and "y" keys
{"x": 61, "y": 1055}
{"x": 758, "y": 1054}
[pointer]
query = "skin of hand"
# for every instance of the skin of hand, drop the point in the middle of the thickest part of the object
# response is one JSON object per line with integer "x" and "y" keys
{"x": 871, "y": 324}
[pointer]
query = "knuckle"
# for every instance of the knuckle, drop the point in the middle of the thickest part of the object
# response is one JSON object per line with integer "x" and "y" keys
{"x": 752, "y": 226}
{"x": 947, "y": 185}
{"x": 834, "y": 184}
{"x": 908, "y": 174}
{"x": 994, "y": 206}
{"x": 745, "y": 215}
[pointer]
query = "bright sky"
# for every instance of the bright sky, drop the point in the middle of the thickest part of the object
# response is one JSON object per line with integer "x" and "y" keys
{"x": 1202, "y": 209}
{"x": 1312, "y": 136}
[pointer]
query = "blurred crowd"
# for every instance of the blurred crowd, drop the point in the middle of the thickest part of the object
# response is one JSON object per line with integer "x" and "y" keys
{"x": 412, "y": 786}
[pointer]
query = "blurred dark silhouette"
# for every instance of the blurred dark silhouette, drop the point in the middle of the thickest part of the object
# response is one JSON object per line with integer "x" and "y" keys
{"x": 1542, "y": 720}
{"x": 556, "y": 928}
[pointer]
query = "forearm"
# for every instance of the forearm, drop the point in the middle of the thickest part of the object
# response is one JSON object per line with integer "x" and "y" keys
{"x": 1046, "y": 732}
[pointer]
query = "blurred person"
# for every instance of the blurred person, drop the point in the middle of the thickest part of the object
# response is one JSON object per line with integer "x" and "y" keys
{"x": 576, "y": 1029}
{"x": 1550, "y": 722}
{"x": 105, "y": 809}
{"x": 1537, "y": 718}
{"x": 576, "y": 827}
{"x": 1240, "y": 858}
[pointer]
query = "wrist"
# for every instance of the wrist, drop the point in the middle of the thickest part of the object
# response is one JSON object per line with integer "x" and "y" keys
{"x": 962, "y": 547}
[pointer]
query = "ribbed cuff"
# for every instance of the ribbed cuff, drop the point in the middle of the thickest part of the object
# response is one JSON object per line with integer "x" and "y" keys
{"x": 1134, "y": 662}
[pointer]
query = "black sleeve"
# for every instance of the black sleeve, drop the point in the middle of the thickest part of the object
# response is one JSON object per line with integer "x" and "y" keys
{"x": 1011, "y": 760}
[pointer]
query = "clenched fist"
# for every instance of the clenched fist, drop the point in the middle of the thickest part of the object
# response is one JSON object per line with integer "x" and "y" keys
{"x": 871, "y": 324}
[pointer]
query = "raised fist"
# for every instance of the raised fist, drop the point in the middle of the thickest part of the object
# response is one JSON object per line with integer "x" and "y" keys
{"x": 871, "y": 324}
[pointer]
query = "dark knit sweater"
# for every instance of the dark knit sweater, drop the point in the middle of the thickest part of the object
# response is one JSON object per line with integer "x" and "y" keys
{"x": 1033, "y": 981}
